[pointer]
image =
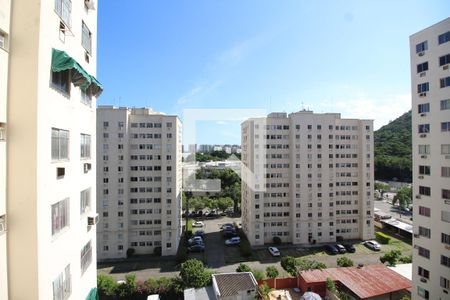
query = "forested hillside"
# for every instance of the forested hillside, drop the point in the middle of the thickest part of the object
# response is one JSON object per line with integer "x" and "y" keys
{"x": 393, "y": 150}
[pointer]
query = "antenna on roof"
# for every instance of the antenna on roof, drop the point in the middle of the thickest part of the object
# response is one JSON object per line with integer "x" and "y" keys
{"x": 303, "y": 106}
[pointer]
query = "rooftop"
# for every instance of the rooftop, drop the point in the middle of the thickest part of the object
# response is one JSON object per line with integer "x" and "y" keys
{"x": 230, "y": 284}
{"x": 365, "y": 282}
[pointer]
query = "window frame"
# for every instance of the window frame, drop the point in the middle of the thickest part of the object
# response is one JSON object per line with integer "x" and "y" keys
{"x": 60, "y": 214}
{"x": 85, "y": 146}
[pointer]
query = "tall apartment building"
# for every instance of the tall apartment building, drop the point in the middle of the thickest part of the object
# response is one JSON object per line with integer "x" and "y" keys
{"x": 47, "y": 104}
{"x": 313, "y": 178}
{"x": 139, "y": 181}
{"x": 430, "y": 89}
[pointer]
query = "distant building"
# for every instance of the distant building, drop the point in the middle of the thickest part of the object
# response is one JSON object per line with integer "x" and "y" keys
{"x": 314, "y": 178}
{"x": 430, "y": 89}
{"x": 139, "y": 181}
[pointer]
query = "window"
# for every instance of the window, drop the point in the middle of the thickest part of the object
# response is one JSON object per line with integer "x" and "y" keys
{"x": 444, "y": 60}
{"x": 445, "y": 194}
{"x": 64, "y": 8}
{"x": 424, "y": 190}
{"x": 423, "y": 292}
{"x": 424, "y": 170}
{"x": 61, "y": 81}
{"x": 445, "y": 238}
{"x": 85, "y": 146}
{"x": 424, "y": 128}
{"x": 422, "y": 47}
{"x": 424, "y": 149}
{"x": 445, "y": 149}
{"x": 445, "y": 126}
{"x": 60, "y": 216}
{"x": 445, "y": 216}
{"x": 60, "y": 144}
{"x": 445, "y": 261}
{"x": 424, "y": 252}
{"x": 423, "y": 231}
{"x": 62, "y": 287}
{"x": 424, "y": 211}
{"x": 86, "y": 39}
{"x": 423, "y": 108}
{"x": 86, "y": 257}
{"x": 445, "y": 283}
{"x": 422, "y": 67}
{"x": 85, "y": 200}
{"x": 445, "y": 82}
{"x": 445, "y": 171}
{"x": 443, "y": 38}
{"x": 445, "y": 104}
{"x": 423, "y": 87}
{"x": 423, "y": 272}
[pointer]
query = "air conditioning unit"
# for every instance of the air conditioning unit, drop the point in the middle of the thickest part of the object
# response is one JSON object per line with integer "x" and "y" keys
{"x": 423, "y": 279}
{"x": 421, "y": 53}
{"x": 423, "y": 135}
{"x": 87, "y": 167}
{"x": 445, "y": 67}
{"x": 416, "y": 247}
{"x": 423, "y": 74}
{"x": 423, "y": 156}
{"x": 423, "y": 114}
{"x": 420, "y": 177}
{"x": 422, "y": 94}
{"x": 418, "y": 197}
{"x": 89, "y": 4}
{"x": 2, "y": 131}
{"x": 2, "y": 40}
{"x": 92, "y": 220}
{"x": 2, "y": 223}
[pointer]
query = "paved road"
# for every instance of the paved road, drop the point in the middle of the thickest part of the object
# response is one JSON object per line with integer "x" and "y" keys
{"x": 214, "y": 243}
{"x": 387, "y": 207}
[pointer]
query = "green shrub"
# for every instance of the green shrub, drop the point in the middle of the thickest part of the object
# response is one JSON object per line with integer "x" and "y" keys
{"x": 331, "y": 286}
{"x": 258, "y": 274}
{"x": 382, "y": 238}
{"x": 106, "y": 285}
{"x": 130, "y": 252}
{"x": 405, "y": 259}
{"x": 243, "y": 268}
{"x": 344, "y": 262}
{"x": 289, "y": 264}
{"x": 157, "y": 251}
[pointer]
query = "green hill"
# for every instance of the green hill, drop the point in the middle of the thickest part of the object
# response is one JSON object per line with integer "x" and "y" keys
{"x": 393, "y": 150}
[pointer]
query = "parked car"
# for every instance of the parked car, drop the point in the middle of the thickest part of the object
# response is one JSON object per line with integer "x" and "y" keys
{"x": 274, "y": 251}
{"x": 372, "y": 245}
{"x": 197, "y": 248}
{"x": 227, "y": 226}
{"x": 350, "y": 248}
{"x": 195, "y": 240}
{"x": 233, "y": 241}
{"x": 200, "y": 233}
{"x": 340, "y": 248}
{"x": 229, "y": 233}
{"x": 331, "y": 249}
{"x": 198, "y": 224}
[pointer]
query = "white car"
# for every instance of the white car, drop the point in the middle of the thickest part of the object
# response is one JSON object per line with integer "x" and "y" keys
{"x": 372, "y": 245}
{"x": 274, "y": 251}
{"x": 198, "y": 224}
{"x": 233, "y": 241}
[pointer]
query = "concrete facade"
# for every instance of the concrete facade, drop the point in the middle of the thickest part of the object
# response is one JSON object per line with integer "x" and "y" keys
{"x": 430, "y": 90}
{"x": 50, "y": 246}
{"x": 313, "y": 178}
{"x": 139, "y": 181}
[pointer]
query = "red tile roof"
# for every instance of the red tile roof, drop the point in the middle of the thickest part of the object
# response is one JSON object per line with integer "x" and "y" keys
{"x": 365, "y": 282}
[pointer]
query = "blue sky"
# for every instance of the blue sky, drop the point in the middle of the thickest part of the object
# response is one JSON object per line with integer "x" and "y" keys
{"x": 350, "y": 57}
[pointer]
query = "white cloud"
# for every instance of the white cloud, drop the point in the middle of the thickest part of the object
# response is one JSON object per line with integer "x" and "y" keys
{"x": 198, "y": 91}
{"x": 381, "y": 110}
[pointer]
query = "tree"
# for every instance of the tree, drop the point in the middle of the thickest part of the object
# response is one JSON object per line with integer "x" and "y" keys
{"x": 305, "y": 264}
{"x": 193, "y": 274}
{"x": 224, "y": 203}
{"x": 391, "y": 257}
{"x": 289, "y": 264}
{"x": 258, "y": 274}
{"x": 128, "y": 288}
{"x": 272, "y": 272}
{"x": 383, "y": 187}
{"x": 344, "y": 262}
{"x": 403, "y": 197}
{"x": 264, "y": 290}
{"x": 243, "y": 268}
{"x": 106, "y": 285}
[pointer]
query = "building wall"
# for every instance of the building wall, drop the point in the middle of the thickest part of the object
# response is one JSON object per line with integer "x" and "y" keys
{"x": 35, "y": 256}
{"x": 435, "y": 159}
{"x": 4, "y": 58}
{"x": 144, "y": 211}
{"x": 317, "y": 171}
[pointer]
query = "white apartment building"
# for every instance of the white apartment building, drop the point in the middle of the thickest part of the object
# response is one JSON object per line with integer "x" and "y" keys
{"x": 47, "y": 175}
{"x": 139, "y": 181}
{"x": 313, "y": 178}
{"x": 430, "y": 89}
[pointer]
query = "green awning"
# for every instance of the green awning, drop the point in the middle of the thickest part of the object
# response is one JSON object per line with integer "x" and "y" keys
{"x": 93, "y": 295}
{"x": 61, "y": 61}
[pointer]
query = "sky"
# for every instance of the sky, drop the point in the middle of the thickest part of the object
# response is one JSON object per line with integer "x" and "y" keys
{"x": 349, "y": 57}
